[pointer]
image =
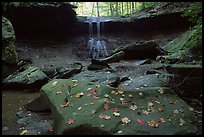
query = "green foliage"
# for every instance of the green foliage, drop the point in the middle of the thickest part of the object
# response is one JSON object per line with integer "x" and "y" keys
{"x": 194, "y": 13}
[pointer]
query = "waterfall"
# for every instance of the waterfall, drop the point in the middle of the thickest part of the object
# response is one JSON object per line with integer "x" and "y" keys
{"x": 96, "y": 46}
{"x": 90, "y": 28}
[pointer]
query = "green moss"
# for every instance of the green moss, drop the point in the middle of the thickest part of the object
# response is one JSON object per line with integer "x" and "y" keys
{"x": 186, "y": 48}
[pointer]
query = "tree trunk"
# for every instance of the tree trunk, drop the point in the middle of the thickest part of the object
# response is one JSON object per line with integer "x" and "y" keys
{"x": 143, "y": 5}
{"x": 133, "y": 7}
{"x": 127, "y": 7}
{"x": 117, "y": 8}
{"x": 122, "y": 9}
{"x": 111, "y": 9}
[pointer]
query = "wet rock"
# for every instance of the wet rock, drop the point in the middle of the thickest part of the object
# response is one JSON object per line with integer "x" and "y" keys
{"x": 185, "y": 69}
{"x": 159, "y": 111}
{"x": 149, "y": 49}
{"x": 110, "y": 59}
{"x": 151, "y": 80}
{"x": 146, "y": 61}
{"x": 99, "y": 64}
{"x": 69, "y": 71}
{"x": 185, "y": 77}
{"x": 31, "y": 78}
{"x": 105, "y": 77}
{"x": 9, "y": 54}
{"x": 37, "y": 105}
{"x": 20, "y": 114}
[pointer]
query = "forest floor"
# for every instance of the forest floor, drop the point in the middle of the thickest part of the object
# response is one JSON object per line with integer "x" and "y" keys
{"x": 58, "y": 53}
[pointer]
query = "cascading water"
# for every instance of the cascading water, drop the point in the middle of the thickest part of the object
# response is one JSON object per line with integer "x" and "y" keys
{"x": 97, "y": 46}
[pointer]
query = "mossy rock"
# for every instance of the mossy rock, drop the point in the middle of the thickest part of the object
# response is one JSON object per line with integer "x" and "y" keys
{"x": 9, "y": 53}
{"x": 31, "y": 78}
{"x": 185, "y": 48}
{"x": 169, "y": 115}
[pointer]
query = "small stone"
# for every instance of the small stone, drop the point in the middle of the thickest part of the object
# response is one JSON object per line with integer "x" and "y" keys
{"x": 5, "y": 128}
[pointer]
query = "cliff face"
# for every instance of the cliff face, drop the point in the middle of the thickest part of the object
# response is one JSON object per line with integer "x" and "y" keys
{"x": 42, "y": 18}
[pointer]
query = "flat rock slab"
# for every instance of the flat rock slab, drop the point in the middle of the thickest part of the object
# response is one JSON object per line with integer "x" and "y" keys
{"x": 81, "y": 107}
{"x": 152, "y": 80}
{"x": 30, "y": 78}
{"x": 105, "y": 77}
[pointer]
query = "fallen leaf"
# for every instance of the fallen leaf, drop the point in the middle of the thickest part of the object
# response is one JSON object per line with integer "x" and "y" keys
{"x": 126, "y": 120}
{"x": 140, "y": 93}
{"x": 24, "y": 132}
{"x": 79, "y": 108}
{"x": 102, "y": 126}
{"x": 140, "y": 121}
{"x": 71, "y": 121}
{"x": 123, "y": 102}
{"x": 93, "y": 91}
{"x": 98, "y": 86}
{"x": 161, "y": 109}
{"x": 105, "y": 100}
{"x": 78, "y": 95}
{"x": 157, "y": 102}
{"x": 116, "y": 114}
{"x": 106, "y": 117}
{"x": 65, "y": 105}
{"x": 161, "y": 91}
{"x": 74, "y": 85}
{"x": 92, "y": 103}
{"x": 93, "y": 111}
{"x": 133, "y": 106}
{"x": 152, "y": 99}
{"x": 58, "y": 92}
{"x": 119, "y": 132}
{"x": 130, "y": 96}
{"x": 153, "y": 124}
{"x": 106, "y": 106}
{"x": 89, "y": 94}
{"x": 175, "y": 111}
{"x": 116, "y": 109}
{"x": 54, "y": 84}
{"x": 182, "y": 122}
{"x": 96, "y": 97}
{"x": 64, "y": 85}
{"x": 145, "y": 112}
{"x": 150, "y": 104}
{"x": 106, "y": 95}
{"x": 74, "y": 80}
{"x": 161, "y": 120}
{"x": 113, "y": 92}
{"x": 121, "y": 91}
{"x": 50, "y": 129}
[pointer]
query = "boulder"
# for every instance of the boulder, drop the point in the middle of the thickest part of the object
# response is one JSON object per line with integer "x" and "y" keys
{"x": 31, "y": 78}
{"x": 83, "y": 107}
{"x": 185, "y": 77}
{"x": 37, "y": 105}
{"x": 99, "y": 64}
{"x": 69, "y": 71}
{"x": 9, "y": 54}
{"x": 149, "y": 49}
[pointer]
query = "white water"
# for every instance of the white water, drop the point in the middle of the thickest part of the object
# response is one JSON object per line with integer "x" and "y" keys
{"x": 97, "y": 46}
